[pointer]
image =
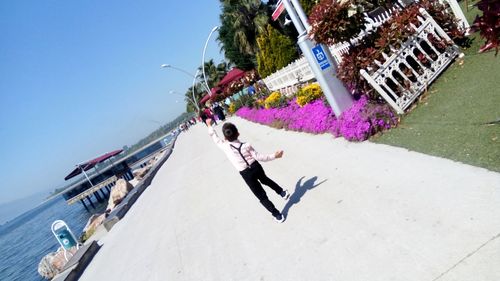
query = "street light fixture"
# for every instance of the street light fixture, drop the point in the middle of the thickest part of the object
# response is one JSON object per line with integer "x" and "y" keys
{"x": 183, "y": 71}
{"x": 194, "y": 80}
{"x": 176, "y": 68}
{"x": 193, "y": 89}
{"x": 186, "y": 97}
{"x": 203, "y": 59}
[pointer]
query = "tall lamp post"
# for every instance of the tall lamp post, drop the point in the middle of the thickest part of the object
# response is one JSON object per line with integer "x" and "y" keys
{"x": 166, "y": 65}
{"x": 190, "y": 75}
{"x": 193, "y": 89}
{"x": 203, "y": 59}
{"x": 191, "y": 100}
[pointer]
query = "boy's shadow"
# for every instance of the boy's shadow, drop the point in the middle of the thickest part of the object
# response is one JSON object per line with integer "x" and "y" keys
{"x": 300, "y": 190}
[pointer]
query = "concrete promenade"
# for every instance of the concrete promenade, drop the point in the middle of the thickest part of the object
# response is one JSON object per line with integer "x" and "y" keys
{"x": 358, "y": 211}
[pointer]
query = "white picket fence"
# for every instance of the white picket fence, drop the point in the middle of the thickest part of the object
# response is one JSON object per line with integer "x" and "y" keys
{"x": 459, "y": 14}
{"x": 338, "y": 50}
{"x": 287, "y": 79}
{"x": 408, "y": 71}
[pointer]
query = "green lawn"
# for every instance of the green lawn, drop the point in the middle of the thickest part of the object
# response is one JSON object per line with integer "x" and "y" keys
{"x": 451, "y": 121}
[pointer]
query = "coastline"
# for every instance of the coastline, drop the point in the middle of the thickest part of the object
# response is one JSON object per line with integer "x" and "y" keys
{"x": 77, "y": 264}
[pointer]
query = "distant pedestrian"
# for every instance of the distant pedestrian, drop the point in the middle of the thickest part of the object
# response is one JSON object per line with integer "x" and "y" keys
{"x": 251, "y": 89}
{"x": 219, "y": 112}
{"x": 203, "y": 117}
{"x": 210, "y": 115}
{"x": 245, "y": 159}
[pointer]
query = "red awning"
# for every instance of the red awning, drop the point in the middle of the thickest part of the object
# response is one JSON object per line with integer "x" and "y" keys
{"x": 233, "y": 74}
{"x": 205, "y": 98}
{"x": 90, "y": 164}
{"x": 105, "y": 156}
{"x": 215, "y": 92}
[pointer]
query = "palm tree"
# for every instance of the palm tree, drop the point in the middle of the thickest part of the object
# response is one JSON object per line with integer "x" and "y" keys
{"x": 198, "y": 94}
{"x": 210, "y": 72}
{"x": 307, "y": 5}
{"x": 248, "y": 18}
{"x": 214, "y": 73}
{"x": 222, "y": 69}
{"x": 230, "y": 49}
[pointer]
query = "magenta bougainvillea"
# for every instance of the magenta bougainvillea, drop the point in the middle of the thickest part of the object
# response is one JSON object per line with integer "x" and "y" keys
{"x": 358, "y": 123}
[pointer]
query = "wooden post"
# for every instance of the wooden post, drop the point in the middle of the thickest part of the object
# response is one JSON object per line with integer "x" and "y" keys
{"x": 97, "y": 196}
{"x": 90, "y": 201}
{"x": 102, "y": 193}
{"x": 84, "y": 205}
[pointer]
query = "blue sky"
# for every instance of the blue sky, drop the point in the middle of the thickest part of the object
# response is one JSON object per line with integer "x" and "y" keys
{"x": 82, "y": 78}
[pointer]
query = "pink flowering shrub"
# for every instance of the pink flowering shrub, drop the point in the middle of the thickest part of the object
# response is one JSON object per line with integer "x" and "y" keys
{"x": 358, "y": 123}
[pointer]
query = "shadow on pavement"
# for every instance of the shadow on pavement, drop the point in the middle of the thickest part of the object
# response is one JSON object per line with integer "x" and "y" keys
{"x": 300, "y": 190}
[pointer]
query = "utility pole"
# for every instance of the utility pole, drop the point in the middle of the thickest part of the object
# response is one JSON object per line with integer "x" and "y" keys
{"x": 320, "y": 60}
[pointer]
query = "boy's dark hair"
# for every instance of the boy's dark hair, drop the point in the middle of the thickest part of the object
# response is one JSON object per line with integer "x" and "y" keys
{"x": 230, "y": 132}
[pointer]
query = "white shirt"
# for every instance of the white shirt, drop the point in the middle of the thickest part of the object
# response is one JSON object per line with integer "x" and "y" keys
{"x": 234, "y": 155}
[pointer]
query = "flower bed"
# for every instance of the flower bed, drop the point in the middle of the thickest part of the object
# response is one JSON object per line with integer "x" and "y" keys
{"x": 345, "y": 22}
{"x": 358, "y": 123}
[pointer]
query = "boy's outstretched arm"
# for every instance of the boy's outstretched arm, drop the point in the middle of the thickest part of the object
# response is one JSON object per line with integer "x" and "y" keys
{"x": 278, "y": 154}
{"x": 264, "y": 157}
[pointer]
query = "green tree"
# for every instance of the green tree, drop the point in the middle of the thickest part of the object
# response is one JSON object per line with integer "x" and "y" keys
{"x": 279, "y": 24}
{"x": 307, "y": 5}
{"x": 198, "y": 94}
{"x": 214, "y": 73}
{"x": 230, "y": 49}
{"x": 222, "y": 69}
{"x": 276, "y": 51}
{"x": 241, "y": 22}
{"x": 248, "y": 19}
{"x": 210, "y": 73}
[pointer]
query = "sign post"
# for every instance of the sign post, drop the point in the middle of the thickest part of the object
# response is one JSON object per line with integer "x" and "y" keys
{"x": 320, "y": 60}
{"x": 279, "y": 9}
{"x": 64, "y": 236}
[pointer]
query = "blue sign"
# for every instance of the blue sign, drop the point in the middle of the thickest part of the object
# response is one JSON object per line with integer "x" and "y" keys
{"x": 65, "y": 238}
{"x": 64, "y": 235}
{"x": 321, "y": 58}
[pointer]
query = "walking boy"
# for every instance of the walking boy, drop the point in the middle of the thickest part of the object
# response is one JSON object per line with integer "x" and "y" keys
{"x": 245, "y": 159}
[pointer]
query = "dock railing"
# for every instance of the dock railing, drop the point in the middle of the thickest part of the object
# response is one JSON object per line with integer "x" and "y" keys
{"x": 90, "y": 191}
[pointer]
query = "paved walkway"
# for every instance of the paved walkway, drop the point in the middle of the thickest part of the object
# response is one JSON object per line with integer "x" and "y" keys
{"x": 359, "y": 211}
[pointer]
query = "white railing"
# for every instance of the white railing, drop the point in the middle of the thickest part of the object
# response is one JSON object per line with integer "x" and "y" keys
{"x": 373, "y": 23}
{"x": 459, "y": 14}
{"x": 295, "y": 73}
{"x": 408, "y": 71}
{"x": 455, "y": 9}
{"x": 338, "y": 50}
{"x": 299, "y": 71}
{"x": 288, "y": 78}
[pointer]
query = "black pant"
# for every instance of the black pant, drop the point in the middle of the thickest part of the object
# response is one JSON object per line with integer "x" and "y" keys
{"x": 252, "y": 175}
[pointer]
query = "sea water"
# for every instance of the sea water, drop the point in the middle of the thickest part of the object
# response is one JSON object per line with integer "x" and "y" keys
{"x": 25, "y": 240}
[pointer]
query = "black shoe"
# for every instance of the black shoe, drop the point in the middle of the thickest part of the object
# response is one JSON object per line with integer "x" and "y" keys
{"x": 279, "y": 218}
{"x": 285, "y": 194}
